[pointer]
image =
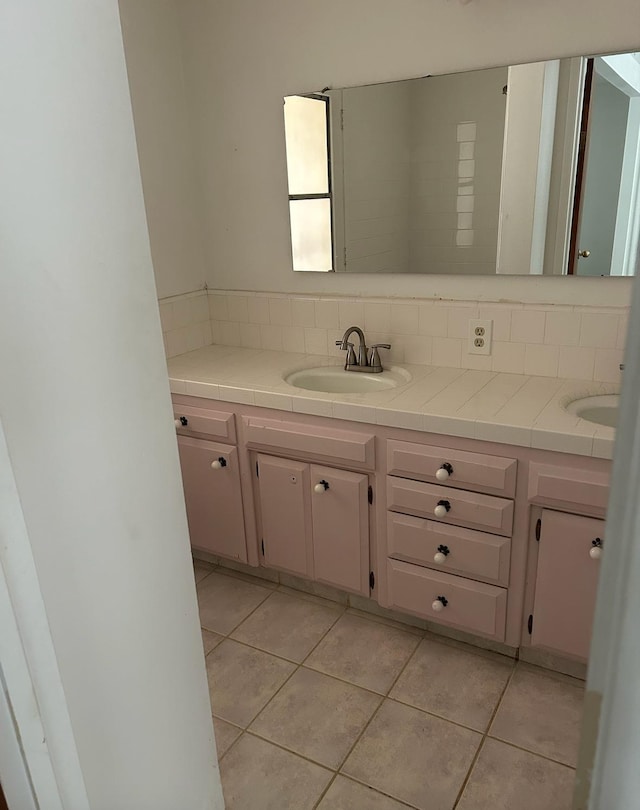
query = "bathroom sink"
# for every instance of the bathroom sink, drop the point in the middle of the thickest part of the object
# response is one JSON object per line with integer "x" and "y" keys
{"x": 335, "y": 380}
{"x": 602, "y": 410}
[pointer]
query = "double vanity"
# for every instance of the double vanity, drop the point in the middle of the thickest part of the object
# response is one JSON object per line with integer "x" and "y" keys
{"x": 468, "y": 500}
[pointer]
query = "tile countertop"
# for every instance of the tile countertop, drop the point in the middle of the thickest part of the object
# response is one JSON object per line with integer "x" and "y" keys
{"x": 498, "y": 407}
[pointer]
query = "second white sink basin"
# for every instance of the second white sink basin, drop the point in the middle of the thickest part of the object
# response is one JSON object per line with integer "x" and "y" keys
{"x": 335, "y": 380}
{"x": 601, "y": 410}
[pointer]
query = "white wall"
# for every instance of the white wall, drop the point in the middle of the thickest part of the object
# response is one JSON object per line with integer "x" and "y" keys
{"x": 154, "y": 66}
{"x": 240, "y": 59}
{"x": 85, "y": 408}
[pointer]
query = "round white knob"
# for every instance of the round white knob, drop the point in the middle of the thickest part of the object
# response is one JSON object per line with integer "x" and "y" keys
{"x": 216, "y": 465}
{"x": 440, "y": 511}
{"x": 595, "y": 552}
{"x": 439, "y": 558}
{"x": 442, "y": 474}
{"x": 177, "y": 423}
{"x": 319, "y": 488}
{"x": 437, "y": 606}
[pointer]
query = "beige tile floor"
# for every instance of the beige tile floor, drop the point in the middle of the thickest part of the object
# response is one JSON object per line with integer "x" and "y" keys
{"x": 316, "y": 705}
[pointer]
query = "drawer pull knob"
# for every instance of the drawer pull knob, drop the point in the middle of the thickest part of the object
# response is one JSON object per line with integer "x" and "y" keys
{"x": 439, "y": 603}
{"x": 181, "y": 421}
{"x": 320, "y": 487}
{"x": 595, "y": 552}
{"x": 441, "y": 509}
{"x": 444, "y": 472}
{"x": 441, "y": 555}
{"x": 219, "y": 463}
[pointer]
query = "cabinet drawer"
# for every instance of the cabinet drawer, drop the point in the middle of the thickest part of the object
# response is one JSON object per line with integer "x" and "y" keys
{"x": 476, "y": 471}
{"x": 470, "y": 606}
{"x": 202, "y": 421}
{"x": 330, "y": 444}
{"x": 568, "y": 488}
{"x": 484, "y": 512}
{"x": 461, "y": 551}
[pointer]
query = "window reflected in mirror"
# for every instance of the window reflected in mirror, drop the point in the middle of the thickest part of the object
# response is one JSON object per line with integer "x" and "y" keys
{"x": 307, "y": 121}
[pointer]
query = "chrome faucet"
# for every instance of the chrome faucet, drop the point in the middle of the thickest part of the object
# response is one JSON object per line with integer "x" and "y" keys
{"x": 365, "y": 359}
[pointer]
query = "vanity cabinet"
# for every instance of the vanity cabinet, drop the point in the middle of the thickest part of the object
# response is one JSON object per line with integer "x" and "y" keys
{"x": 211, "y": 481}
{"x": 442, "y": 528}
{"x": 566, "y": 582}
{"x": 314, "y": 521}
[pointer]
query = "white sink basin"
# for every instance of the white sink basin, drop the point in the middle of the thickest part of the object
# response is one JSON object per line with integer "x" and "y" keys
{"x": 602, "y": 410}
{"x": 335, "y": 380}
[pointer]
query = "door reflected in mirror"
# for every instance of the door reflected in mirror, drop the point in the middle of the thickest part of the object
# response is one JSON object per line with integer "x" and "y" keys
{"x": 532, "y": 169}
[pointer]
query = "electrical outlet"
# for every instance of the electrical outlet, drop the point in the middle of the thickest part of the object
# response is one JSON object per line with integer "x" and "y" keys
{"x": 480, "y": 333}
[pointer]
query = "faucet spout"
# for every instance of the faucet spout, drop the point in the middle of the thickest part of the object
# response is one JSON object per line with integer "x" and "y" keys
{"x": 361, "y": 356}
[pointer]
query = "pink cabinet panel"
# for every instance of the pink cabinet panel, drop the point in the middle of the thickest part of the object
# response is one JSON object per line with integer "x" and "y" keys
{"x": 212, "y": 497}
{"x": 477, "y": 471}
{"x": 449, "y": 548}
{"x": 285, "y": 514}
{"x": 312, "y": 440}
{"x": 455, "y": 601}
{"x": 209, "y": 423}
{"x": 484, "y": 512}
{"x": 569, "y": 488}
{"x": 566, "y": 583}
{"x": 340, "y": 518}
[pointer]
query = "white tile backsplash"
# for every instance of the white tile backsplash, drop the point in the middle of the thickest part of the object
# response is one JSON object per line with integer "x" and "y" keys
{"x": 303, "y": 312}
{"x": 562, "y": 328}
{"x": 527, "y": 326}
{"x": 568, "y": 342}
{"x": 187, "y": 322}
{"x": 238, "y": 308}
{"x": 576, "y": 362}
{"x": 600, "y": 331}
{"x": 541, "y": 361}
{"x": 279, "y": 312}
{"x": 508, "y": 357}
{"x": 326, "y": 314}
{"x": 258, "y": 309}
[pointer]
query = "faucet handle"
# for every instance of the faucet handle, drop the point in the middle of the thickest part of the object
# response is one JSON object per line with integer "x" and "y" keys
{"x": 350, "y": 359}
{"x": 373, "y": 360}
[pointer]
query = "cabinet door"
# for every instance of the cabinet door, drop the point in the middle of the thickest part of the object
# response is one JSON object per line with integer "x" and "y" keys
{"x": 285, "y": 514}
{"x": 566, "y": 583}
{"x": 213, "y": 498}
{"x": 340, "y": 512}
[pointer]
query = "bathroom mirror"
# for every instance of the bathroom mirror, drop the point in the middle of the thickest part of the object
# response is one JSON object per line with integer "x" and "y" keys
{"x": 528, "y": 169}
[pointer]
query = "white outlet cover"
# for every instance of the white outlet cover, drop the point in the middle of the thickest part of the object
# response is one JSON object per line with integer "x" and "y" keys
{"x": 477, "y": 325}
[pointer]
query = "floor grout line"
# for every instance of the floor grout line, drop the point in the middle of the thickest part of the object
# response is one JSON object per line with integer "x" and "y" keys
{"x": 298, "y": 666}
{"x": 290, "y": 751}
{"x": 358, "y": 781}
{"x": 350, "y": 751}
{"x": 529, "y": 751}
{"x": 467, "y": 778}
{"x": 384, "y": 697}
